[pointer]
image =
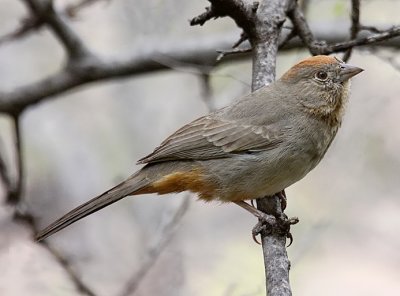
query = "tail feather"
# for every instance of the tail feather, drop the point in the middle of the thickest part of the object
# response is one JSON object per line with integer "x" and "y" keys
{"x": 120, "y": 191}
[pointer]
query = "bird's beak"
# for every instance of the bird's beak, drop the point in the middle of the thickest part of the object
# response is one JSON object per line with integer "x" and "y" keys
{"x": 347, "y": 71}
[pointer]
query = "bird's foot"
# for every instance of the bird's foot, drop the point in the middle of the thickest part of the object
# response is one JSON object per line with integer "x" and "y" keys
{"x": 269, "y": 224}
{"x": 278, "y": 223}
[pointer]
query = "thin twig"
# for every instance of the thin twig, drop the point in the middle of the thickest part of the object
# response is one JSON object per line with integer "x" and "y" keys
{"x": 224, "y": 53}
{"x": 240, "y": 11}
{"x": 388, "y": 59}
{"x": 282, "y": 42}
{"x": 44, "y": 9}
{"x": 201, "y": 19}
{"x": 288, "y": 37}
{"x": 14, "y": 196}
{"x": 21, "y": 213}
{"x": 165, "y": 233}
{"x": 191, "y": 51}
{"x": 355, "y": 26}
{"x": 303, "y": 30}
{"x": 321, "y": 47}
{"x": 194, "y": 69}
{"x": 28, "y": 219}
{"x": 243, "y": 37}
{"x": 4, "y": 175}
{"x": 206, "y": 92}
{"x": 32, "y": 23}
{"x": 72, "y": 9}
{"x": 368, "y": 40}
{"x": 27, "y": 25}
{"x": 372, "y": 29}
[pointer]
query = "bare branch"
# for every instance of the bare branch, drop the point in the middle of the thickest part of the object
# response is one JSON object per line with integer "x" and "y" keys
{"x": 282, "y": 43}
{"x": 243, "y": 38}
{"x": 33, "y": 22}
{"x": 355, "y": 25}
{"x": 4, "y": 175}
{"x": 193, "y": 52}
{"x": 263, "y": 27}
{"x": 371, "y": 29}
{"x": 27, "y": 25}
{"x": 73, "y": 9}
{"x": 304, "y": 31}
{"x": 322, "y": 47}
{"x": 166, "y": 231}
{"x": 240, "y": 11}
{"x": 206, "y": 92}
{"x": 389, "y": 58}
{"x": 224, "y": 53}
{"x": 367, "y": 40}
{"x": 44, "y": 9}
{"x": 14, "y": 194}
{"x": 211, "y": 12}
{"x": 29, "y": 220}
{"x": 14, "y": 198}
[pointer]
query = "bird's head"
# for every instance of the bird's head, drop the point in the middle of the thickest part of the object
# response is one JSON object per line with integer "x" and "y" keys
{"x": 320, "y": 83}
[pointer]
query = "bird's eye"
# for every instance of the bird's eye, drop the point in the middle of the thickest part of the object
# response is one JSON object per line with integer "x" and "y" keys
{"x": 321, "y": 75}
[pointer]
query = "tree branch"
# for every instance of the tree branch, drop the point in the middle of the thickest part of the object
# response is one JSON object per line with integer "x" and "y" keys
{"x": 44, "y": 10}
{"x": 30, "y": 221}
{"x": 263, "y": 26}
{"x": 21, "y": 214}
{"x": 355, "y": 25}
{"x": 191, "y": 51}
{"x": 167, "y": 229}
{"x": 367, "y": 40}
{"x": 15, "y": 190}
{"x": 322, "y": 47}
{"x": 4, "y": 175}
{"x": 73, "y": 9}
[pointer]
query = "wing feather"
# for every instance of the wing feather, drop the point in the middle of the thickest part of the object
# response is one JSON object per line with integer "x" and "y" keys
{"x": 210, "y": 137}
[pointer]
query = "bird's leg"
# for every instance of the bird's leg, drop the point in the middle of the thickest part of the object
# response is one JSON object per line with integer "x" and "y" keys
{"x": 264, "y": 220}
{"x": 278, "y": 222}
{"x": 251, "y": 209}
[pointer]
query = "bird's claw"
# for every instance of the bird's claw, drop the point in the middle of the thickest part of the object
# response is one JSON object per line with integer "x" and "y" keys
{"x": 269, "y": 224}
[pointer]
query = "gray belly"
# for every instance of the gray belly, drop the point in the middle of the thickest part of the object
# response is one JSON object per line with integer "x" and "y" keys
{"x": 249, "y": 176}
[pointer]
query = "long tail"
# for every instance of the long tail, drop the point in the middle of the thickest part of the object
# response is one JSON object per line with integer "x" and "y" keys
{"x": 128, "y": 187}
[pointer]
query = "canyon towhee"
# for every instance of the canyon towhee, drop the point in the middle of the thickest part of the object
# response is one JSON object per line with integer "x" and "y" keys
{"x": 255, "y": 147}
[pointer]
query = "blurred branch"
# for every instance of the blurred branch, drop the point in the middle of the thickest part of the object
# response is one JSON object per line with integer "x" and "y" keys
{"x": 15, "y": 189}
{"x": 27, "y": 25}
{"x": 21, "y": 213}
{"x": 73, "y": 9}
{"x": 240, "y": 11}
{"x": 73, "y": 45}
{"x": 28, "y": 219}
{"x": 355, "y": 26}
{"x": 262, "y": 25}
{"x": 166, "y": 231}
{"x": 319, "y": 46}
{"x": 34, "y": 20}
{"x": 389, "y": 58}
{"x": 171, "y": 219}
{"x": 194, "y": 52}
{"x": 4, "y": 175}
{"x": 223, "y": 53}
{"x": 206, "y": 92}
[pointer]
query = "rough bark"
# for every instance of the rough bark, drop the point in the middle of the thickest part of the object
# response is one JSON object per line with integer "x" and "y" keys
{"x": 269, "y": 20}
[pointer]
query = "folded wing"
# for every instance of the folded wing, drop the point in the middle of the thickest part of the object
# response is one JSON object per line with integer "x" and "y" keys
{"x": 209, "y": 138}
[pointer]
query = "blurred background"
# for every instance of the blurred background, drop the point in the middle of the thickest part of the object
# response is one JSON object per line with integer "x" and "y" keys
{"x": 79, "y": 144}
